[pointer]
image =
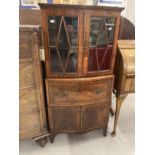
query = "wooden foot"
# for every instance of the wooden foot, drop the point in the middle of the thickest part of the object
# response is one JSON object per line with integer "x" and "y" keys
{"x": 119, "y": 101}
{"x": 113, "y": 133}
{"x": 42, "y": 141}
{"x": 112, "y": 111}
{"x": 105, "y": 133}
{"x": 52, "y": 136}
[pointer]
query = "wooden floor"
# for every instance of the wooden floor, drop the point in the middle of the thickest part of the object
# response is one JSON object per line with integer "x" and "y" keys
{"x": 93, "y": 143}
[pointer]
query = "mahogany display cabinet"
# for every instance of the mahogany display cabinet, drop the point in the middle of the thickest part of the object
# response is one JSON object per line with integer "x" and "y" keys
{"x": 80, "y": 46}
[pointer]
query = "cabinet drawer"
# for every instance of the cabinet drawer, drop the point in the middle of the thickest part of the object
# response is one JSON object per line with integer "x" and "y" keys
{"x": 129, "y": 85}
{"x": 26, "y": 74}
{"x": 25, "y": 45}
{"x": 81, "y": 91}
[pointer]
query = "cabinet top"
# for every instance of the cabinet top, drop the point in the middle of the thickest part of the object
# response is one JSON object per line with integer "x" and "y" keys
{"x": 44, "y": 5}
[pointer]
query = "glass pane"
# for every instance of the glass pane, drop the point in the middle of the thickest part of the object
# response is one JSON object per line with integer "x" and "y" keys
{"x": 110, "y": 34}
{"x": 101, "y": 43}
{"x": 110, "y": 24}
{"x": 92, "y": 65}
{"x": 106, "y": 59}
{"x": 55, "y": 61}
{"x": 53, "y": 29}
{"x": 63, "y": 32}
{"x": 99, "y": 58}
{"x": 72, "y": 27}
{"x": 62, "y": 38}
{"x": 102, "y": 40}
{"x": 96, "y": 24}
{"x": 110, "y": 20}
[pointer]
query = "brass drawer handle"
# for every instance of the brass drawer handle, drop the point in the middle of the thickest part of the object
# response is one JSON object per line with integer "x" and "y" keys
{"x": 99, "y": 90}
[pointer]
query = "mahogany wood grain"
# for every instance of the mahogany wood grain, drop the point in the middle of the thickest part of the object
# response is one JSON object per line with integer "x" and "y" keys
{"x": 95, "y": 116}
{"x": 79, "y": 91}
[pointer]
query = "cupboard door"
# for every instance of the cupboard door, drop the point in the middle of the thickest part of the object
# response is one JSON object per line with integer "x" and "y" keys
{"x": 95, "y": 116}
{"x": 101, "y": 30}
{"x": 64, "y": 119}
{"x": 63, "y": 42}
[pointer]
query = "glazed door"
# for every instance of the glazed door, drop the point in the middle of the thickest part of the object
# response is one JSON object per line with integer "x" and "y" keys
{"x": 101, "y": 31}
{"x": 64, "y": 42}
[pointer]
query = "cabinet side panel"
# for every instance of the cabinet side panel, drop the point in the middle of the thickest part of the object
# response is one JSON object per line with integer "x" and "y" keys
{"x": 32, "y": 106}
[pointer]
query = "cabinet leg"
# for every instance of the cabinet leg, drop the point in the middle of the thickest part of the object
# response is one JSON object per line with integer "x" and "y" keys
{"x": 112, "y": 111}
{"x": 119, "y": 101}
{"x": 105, "y": 132}
{"x": 52, "y": 136}
{"x": 41, "y": 141}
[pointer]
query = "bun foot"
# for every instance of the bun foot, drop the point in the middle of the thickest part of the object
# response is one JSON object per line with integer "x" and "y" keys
{"x": 112, "y": 112}
{"x": 113, "y": 134}
{"x": 42, "y": 141}
{"x": 104, "y": 132}
{"x": 52, "y": 137}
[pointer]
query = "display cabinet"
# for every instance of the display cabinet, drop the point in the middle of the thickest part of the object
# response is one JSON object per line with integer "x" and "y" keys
{"x": 80, "y": 45}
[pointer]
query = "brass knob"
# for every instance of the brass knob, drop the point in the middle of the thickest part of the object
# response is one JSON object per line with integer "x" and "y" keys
{"x": 98, "y": 90}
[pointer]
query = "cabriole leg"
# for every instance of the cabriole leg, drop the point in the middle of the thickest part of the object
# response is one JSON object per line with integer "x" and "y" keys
{"x": 119, "y": 101}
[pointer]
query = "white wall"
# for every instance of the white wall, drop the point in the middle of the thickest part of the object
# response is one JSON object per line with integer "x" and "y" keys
{"x": 129, "y": 11}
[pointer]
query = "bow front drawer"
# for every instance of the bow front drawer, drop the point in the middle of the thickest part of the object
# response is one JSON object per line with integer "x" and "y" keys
{"x": 79, "y": 91}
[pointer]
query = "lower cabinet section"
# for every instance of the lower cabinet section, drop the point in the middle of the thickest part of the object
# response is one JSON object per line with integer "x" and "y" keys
{"x": 78, "y": 105}
{"x": 78, "y": 118}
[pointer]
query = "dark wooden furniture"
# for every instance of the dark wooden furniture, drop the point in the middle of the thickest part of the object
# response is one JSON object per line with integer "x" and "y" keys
{"x": 126, "y": 30}
{"x": 124, "y": 72}
{"x": 31, "y": 100}
{"x": 80, "y": 46}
